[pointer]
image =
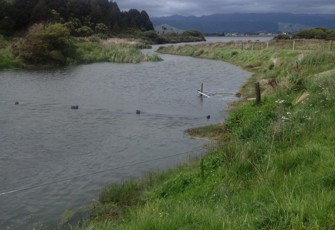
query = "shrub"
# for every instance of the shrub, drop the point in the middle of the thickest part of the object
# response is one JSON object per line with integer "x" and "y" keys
{"x": 193, "y": 33}
{"x": 7, "y": 59}
{"x": 101, "y": 28}
{"x": 316, "y": 33}
{"x": 43, "y": 44}
{"x": 281, "y": 37}
{"x": 152, "y": 37}
{"x": 84, "y": 31}
{"x": 55, "y": 35}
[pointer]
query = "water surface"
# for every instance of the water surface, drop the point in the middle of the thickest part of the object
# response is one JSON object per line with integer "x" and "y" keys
{"x": 43, "y": 142}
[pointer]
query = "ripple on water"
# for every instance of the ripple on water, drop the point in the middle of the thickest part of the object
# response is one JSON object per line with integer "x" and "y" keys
{"x": 42, "y": 140}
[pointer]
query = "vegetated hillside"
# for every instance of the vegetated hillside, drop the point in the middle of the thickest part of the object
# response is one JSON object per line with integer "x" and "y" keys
{"x": 45, "y": 46}
{"x": 248, "y": 22}
{"x": 42, "y": 33}
{"x": 82, "y": 17}
{"x": 273, "y": 167}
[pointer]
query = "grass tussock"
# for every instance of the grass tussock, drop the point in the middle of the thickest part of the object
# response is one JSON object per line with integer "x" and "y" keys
{"x": 273, "y": 166}
{"x": 215, "y": 132}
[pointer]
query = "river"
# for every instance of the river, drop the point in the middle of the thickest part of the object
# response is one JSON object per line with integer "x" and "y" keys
{"x": 53, "y": 157}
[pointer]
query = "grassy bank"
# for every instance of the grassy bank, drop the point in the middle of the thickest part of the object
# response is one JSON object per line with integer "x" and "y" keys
{"x": 76, "y": 51}
{"x": 111, "y": 50}
{"x": 272, "y": 168}
{"x": 51, "y": 45}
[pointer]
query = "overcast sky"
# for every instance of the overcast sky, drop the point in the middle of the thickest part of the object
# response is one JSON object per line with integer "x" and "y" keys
{"x": 206, "y": 7}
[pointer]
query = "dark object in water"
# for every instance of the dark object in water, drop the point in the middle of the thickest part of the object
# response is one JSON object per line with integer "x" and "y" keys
{"x": 74, "y": 107}
{"x": 138, "y": 111}
{"x": 16, "y": 103}
{"x": 208, "y": 116}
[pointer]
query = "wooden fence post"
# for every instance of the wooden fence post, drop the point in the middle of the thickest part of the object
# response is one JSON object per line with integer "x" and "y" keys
{"x": 258, "y": 93}
{"x": 293, "y": 45}
{"x": 330, "y": 45}
{"x": 201, "y": 90}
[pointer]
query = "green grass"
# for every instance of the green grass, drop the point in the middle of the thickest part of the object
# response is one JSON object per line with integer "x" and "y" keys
{"x": 217, "y": 132}
{"x": 272, "y": 167}
{"x": 7, "y": 59}
{"x": 88, "y": 52}
{"x": 91, "y": 52}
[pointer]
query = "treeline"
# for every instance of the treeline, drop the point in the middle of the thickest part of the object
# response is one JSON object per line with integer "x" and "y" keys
{"x": 315, "y": 33}
{"x": 43, "y": 33}
{"x": 81, "y": 17}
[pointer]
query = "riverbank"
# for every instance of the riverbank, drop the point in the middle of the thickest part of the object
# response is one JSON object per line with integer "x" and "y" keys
{"x": 272, "y": 167}
{"x": 77, "y": 51}
{"x": 46, "y": 46}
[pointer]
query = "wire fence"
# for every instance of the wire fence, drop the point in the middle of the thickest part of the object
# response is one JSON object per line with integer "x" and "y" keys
{"x": 294, "y": 44}
{"x": 193, "y": 150}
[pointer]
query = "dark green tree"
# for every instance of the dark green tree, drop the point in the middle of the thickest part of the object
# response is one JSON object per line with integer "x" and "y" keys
{"x": 6, "y": 21}
{"x": 40, "y": 12}
{"x": 59, "y": 9}
{"x": 21, "y": 11}
{"x": 116, "y": 17}
{"x": 145, "y": 22}
{"x": 18, "y": 15}
{"x": 78, "y": 8}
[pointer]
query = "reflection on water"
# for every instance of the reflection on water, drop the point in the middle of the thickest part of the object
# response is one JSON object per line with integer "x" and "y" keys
{"x": 44, "y": 142}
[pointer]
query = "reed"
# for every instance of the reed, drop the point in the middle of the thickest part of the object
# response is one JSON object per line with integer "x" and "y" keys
{"x": 91, "y": 52}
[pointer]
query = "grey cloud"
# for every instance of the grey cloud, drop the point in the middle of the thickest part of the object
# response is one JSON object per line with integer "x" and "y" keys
{"x": 206, "y": 7}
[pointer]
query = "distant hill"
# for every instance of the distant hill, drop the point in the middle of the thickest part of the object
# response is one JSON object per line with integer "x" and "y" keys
{"x": 248, "y": 22}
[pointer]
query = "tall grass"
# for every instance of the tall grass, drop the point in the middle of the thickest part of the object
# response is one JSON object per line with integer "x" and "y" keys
{"x": 91, "y": 52}
{"x": 272, "y": 168}
{"x": 80, "y": 51}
